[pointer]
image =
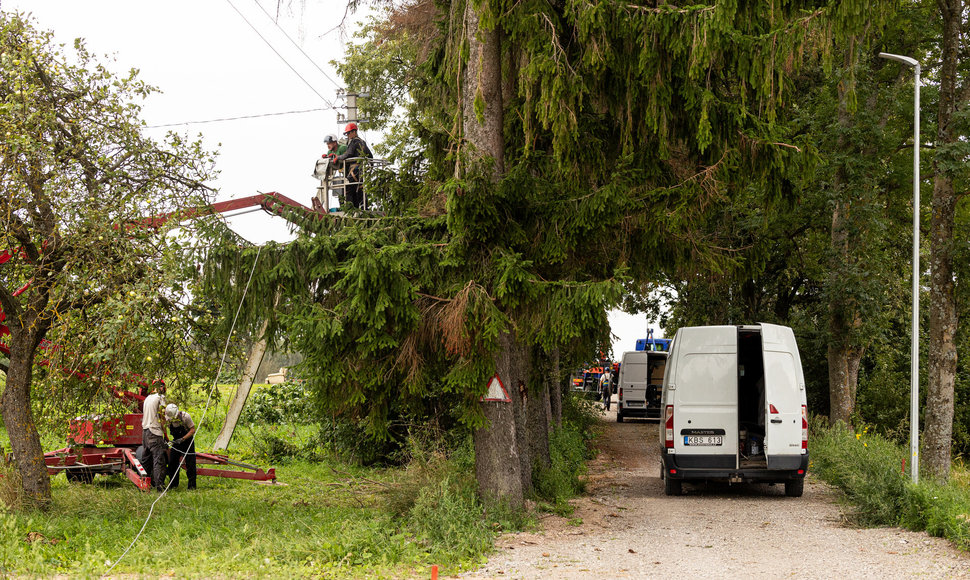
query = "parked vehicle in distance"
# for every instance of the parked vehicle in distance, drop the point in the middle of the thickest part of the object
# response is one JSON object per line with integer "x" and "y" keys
{"x": 734, "y": 408}
{"x": 639, "y": 386}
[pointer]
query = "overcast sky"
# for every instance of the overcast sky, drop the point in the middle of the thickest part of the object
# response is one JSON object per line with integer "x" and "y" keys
{"x": 210, "y": 64}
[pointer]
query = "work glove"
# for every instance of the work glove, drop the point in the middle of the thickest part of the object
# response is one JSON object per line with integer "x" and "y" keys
{"x": 178, "y": 441}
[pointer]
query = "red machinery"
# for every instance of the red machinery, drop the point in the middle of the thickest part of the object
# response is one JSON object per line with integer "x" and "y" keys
{"x": 112, "y": 445}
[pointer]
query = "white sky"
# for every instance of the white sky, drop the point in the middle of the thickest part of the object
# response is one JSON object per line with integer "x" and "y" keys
{"x": 209, "y": 64}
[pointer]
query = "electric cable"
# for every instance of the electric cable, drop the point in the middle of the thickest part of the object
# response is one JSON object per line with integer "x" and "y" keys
{"x": 215, "y": 383}
{"x": 293, "y": 42}
{"x": 257, "y": 116}
{"x": 258, "y": 33}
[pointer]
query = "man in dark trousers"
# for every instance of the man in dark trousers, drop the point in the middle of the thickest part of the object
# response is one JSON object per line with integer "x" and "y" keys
{"x": 153, "y": 435}
{"x": 356, "y": 149}
{"x": 182, "y": 429}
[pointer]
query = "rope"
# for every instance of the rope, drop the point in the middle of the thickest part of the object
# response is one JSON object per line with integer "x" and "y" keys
{"x": 215, "y": 383}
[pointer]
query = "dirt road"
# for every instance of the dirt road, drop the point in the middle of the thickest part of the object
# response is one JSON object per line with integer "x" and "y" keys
{"x": 625, "y": 527}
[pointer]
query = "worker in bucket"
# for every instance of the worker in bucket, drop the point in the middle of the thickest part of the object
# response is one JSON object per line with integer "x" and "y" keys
{"x": 153, "y": 435}
{"x": 182, "y": 429}
{"x": 356, "y": 150}
{"x": 334, "y": 147}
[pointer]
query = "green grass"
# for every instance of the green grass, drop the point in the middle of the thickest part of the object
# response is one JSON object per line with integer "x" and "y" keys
{"x": 868, "y": 468}
{"x": 328, "y": 518}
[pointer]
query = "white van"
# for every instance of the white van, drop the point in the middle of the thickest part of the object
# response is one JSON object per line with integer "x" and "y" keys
{"x": 734, "y": 408}
{"x": 639, "y": 385}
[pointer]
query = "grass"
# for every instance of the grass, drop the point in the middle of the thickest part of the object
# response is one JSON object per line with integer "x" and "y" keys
{"x": 868, "y": 468}
{"x": 328, "y": 519}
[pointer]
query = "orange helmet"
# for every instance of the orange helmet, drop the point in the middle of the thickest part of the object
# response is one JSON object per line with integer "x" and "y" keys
{"x": 350, "y": 127}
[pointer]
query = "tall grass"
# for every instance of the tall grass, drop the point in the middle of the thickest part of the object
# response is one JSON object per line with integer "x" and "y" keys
{"x": 872, "y": 473}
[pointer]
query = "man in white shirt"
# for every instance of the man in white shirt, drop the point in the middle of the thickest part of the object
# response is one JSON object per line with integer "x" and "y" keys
{"x": 153, "y": 436}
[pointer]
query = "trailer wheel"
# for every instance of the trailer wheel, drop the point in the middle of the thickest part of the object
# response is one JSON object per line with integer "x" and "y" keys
{"x": 673, "y": 486}
{"x": 794, "y": 488}
{"x": 619, "y": 417}
{"x": 83, "y": 475}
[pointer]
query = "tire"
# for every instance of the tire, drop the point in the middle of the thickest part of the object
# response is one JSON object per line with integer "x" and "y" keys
{"x": 673, "y": 486}
{"x": 619, "y": 417}
{"x": 794, "y": 488}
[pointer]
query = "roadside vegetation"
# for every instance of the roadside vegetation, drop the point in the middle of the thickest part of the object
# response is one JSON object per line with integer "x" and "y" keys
{"x": 872, "y": 472}
{"x": 331, "y": 515}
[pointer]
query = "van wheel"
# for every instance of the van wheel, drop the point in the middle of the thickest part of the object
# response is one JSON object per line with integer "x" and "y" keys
{"x": 795, "y": 487}
{"x": 619, "y": 417}
{"x": 672, "y": 486}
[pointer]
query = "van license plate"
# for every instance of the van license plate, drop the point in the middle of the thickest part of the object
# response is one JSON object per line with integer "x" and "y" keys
{"x": 709, "y": 440}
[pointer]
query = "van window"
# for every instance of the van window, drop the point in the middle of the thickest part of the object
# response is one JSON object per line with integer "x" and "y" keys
{"x": 712, "y": 374}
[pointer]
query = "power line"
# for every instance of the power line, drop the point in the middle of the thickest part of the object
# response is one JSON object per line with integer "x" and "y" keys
{"x": 258, "y": 33}
{"x": 275, "y": 23}
{"x": 257, "y": 116}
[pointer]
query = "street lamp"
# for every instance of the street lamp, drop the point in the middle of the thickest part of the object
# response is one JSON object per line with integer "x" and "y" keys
{"x": 914, "y": 356}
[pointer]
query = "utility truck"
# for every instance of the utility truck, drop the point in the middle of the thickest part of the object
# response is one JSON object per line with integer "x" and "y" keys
{"x": 734, "y": 408}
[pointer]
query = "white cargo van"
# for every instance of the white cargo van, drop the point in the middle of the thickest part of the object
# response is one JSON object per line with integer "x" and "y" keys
{"x": 639, "y": 385}
{"x": 734, "y": 408}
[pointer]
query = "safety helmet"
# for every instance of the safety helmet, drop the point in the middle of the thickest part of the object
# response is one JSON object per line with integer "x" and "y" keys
{"x": 330, "y": 139}
{"x": 350, "y": 127}
{"x": 171, "y": 411}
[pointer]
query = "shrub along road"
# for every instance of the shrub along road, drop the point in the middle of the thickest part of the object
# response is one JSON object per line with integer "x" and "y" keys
{"x": 625, "y": 527}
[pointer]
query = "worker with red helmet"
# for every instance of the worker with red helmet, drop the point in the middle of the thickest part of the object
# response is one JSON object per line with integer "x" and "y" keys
{"x": 356, "y": 151}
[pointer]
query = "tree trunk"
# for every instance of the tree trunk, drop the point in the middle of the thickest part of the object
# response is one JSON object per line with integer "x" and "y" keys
{"x": 843, "y": 355}
{"x": 503, "y": 463}
{"x": 19, "y": 422}
{"x": 555, "y": 391}
{"x": 938, "y": 430}
{"x": 497, "y": 466}
{"x": 482, "y": 108}
{"x": 503, "y": 467}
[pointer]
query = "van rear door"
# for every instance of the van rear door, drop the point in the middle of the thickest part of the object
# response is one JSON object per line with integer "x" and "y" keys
{"x": 705, "y": 396}
{"x": 784, "y": 397}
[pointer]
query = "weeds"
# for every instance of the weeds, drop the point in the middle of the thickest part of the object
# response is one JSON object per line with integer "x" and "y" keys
{"x": 869, "y": 469}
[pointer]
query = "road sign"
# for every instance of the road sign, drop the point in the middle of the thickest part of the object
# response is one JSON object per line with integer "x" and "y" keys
{"x": 496, "y": 391}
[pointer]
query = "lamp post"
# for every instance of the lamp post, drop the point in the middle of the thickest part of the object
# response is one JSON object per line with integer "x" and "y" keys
{"x": 914, "y": 355}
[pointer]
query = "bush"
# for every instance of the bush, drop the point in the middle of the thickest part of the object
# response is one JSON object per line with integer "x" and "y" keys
{"x": 449, "y": 517}
{"x": 568, "y": 450}
{"x": 866, "y": 466}
{"x": 868, "y": 469}
{"x": 275, "y": 404}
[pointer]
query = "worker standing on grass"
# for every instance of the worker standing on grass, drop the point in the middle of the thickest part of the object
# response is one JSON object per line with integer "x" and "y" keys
{"x": 356, "y": 150}
{"x": 182, "y": 428}
{"x": 153, "y": 436}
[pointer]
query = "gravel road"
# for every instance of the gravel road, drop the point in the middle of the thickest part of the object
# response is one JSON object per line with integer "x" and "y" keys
{"x": 625, "y": 527}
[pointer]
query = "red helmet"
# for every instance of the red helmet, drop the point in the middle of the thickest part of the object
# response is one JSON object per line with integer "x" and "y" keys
{"x": 350, "y": 127}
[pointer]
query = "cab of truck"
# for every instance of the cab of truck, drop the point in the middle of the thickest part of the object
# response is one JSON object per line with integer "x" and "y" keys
{"x": 734, "y": 408}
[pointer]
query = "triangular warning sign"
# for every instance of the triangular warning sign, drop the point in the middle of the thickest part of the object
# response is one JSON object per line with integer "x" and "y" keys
{"x": 496, "y": 391}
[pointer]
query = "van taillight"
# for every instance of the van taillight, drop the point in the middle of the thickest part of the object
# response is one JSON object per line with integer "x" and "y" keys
{"x": 621, "y": 393}
{"x": 669, "y": 426}
{"x": 804, "y": 428}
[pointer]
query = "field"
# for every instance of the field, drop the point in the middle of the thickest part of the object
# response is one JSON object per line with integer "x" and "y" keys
{"x": 325, "y": 518}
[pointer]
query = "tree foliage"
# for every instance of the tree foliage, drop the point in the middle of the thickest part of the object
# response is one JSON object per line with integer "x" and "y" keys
{"x": 87, "y": 289}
